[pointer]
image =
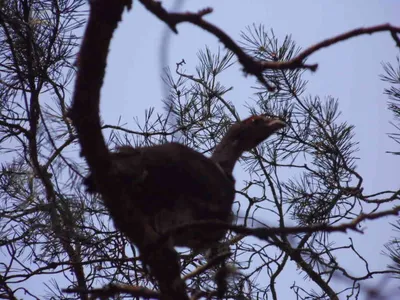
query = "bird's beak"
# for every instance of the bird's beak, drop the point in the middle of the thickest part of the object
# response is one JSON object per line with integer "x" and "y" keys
{"x": 276, "y": 124}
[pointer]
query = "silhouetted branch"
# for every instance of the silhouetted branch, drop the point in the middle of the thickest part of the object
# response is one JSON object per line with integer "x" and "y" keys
{"x": 213, "y": 262}
{"x": 265, "y": 233}
{"x": 348, "y": 35}
{"x": 163, "y": 261}
{"x": 251, "y": 65}
{"x": 115, "y": 289}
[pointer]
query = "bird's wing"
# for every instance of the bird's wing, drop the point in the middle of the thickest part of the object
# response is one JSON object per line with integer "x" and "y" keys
{"x": 170, "y": 176}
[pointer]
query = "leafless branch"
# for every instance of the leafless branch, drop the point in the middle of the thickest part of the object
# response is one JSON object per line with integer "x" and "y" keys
{"x": 251, "y": 65}
{"x": 266, "y": 233}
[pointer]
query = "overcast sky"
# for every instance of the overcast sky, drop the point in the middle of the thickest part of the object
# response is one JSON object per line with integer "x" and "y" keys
{"x": 348, "y": 71}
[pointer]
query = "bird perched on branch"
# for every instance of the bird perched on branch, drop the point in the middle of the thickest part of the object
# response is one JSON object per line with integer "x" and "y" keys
{"x": 173, "y": 185}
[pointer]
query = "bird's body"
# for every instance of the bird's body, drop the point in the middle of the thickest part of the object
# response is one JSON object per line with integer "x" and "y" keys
{"x": 173, "y": 185}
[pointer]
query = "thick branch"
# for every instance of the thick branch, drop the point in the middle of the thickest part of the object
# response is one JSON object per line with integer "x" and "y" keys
{"x": 163, "y": 261}
{"x": 85, "y": 111}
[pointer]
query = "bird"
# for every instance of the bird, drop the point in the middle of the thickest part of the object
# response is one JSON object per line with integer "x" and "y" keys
{"x": 173, "y": 185}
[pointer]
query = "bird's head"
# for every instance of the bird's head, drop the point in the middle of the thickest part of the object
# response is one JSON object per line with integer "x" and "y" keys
{"x": 250, "y": 132}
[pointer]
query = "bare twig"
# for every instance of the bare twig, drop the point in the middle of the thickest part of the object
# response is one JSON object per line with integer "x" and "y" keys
{"x": 348, "y": 35}
{"x": 251, "y": 65}
{"x": 114, "y": 289}
{"x": 265, "y": 233}
{"x": 208, "y": 265}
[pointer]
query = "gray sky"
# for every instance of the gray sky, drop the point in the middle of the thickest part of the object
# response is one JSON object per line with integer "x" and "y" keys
{"x": 347, "y": 71}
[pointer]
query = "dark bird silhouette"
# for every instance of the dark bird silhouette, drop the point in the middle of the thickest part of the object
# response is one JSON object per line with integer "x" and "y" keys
{"x": 173, "y": 185}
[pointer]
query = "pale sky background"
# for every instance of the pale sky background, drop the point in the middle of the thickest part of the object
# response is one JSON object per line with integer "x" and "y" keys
{"x": 348, "y": 71}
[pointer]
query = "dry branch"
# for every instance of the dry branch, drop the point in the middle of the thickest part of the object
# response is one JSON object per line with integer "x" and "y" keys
{"x": 163, "y": 261}
{"x": 251, "y": 65}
